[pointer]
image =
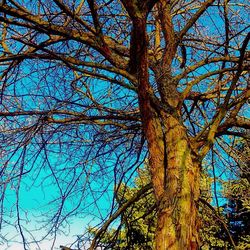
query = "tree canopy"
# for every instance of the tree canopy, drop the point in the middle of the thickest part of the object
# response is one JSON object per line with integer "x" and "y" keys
{"x": 91, "y": 89}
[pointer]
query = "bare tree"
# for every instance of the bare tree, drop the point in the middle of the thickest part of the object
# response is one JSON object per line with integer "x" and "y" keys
{"x": 89, "y": 87}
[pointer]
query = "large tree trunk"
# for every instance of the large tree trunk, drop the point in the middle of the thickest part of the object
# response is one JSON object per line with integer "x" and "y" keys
{"x": 174, "y": 171}
{"x": 177, "y": 226}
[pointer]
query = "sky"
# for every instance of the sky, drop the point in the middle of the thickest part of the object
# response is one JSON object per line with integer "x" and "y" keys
{"x": 64, "y": 240}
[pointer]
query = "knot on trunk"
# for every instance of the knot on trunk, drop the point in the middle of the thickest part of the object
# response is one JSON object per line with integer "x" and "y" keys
{"x": 164, "y": 203}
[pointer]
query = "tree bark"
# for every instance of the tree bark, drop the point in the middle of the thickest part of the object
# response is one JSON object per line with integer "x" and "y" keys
{"x": 175, "y": 173}
{"x": 174, "y": 169}
{"x": 177, "y": 226}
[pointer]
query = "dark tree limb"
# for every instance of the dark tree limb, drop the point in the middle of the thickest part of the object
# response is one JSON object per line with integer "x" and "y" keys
{"x": 215, "y": 214}
{"x": 105, "y": 226}
{"x": 195, "y": 17}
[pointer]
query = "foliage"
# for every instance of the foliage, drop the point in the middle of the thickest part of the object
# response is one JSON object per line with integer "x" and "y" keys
{"x": 139, "y": 221}
{"x": 237, "y": 209}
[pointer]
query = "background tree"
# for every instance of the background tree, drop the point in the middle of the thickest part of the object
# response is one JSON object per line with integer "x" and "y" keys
{"x": 225, "y": 228}
{"x": 237, "y": 208}
{"x": 89, "y": 87}
{"x": 138, "y": 222}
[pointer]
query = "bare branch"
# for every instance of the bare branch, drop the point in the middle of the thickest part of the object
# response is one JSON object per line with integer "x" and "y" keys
{"x": 135, "y": 198}
{"x": 195, "y": 17}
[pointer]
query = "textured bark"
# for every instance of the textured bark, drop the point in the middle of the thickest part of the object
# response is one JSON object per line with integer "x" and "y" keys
{"x": 175, "y": 178}
{"x": 175, "y": 174}
{"x": 151, "y": 122}
{"x": 178, "y": 215}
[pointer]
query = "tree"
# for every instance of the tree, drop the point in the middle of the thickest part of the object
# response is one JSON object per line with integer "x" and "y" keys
{"x": 237, "y": 209}
{"x": 138, "y": 222}
{"x": 223, "y": 229}
{"x": 229, "y": 227}
{"x": 237, "y": 212}
{"x": 97, "y": 84}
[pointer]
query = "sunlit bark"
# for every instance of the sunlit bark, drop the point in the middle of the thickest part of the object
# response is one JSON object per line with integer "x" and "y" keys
{"x": 178, "y": 213}
{"x": 175, "y": 175}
